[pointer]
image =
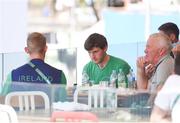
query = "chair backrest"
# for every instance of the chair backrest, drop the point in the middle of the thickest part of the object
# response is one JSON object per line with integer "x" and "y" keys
{"x": 55, "y": 92}
{"x": 26, "y": 97}
{"x": 69, "y": 116}
{"x": 96, "y": 95}
{"x": 8, "y": 114}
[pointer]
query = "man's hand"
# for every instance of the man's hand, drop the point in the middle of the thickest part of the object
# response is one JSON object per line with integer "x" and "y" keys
{"x": 144, "y": 72}
{"x": 149, "y": 69}
{"x": 145, "y": 67}
{"x": 142, "y": 79}
{"x": 141, "y": 63}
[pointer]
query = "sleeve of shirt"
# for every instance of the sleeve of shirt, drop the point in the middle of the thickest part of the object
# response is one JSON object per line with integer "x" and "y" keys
{"x": 63, "y": 78}
{"x": 126, "y": 68}
{"x": 6, "y": 85}
{"x": 85, "y": 68}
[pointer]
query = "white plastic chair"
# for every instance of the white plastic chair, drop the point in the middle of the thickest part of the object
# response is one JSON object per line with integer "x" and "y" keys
{"x": 97, "y": 94}
{"x": 26, "y": 97}
{"x": 8, "y": 114}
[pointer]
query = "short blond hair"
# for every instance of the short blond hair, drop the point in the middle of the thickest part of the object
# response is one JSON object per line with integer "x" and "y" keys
{"x": 36, "y": 42}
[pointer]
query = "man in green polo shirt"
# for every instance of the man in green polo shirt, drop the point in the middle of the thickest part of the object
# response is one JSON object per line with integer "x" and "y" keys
{"x": 101, "y": 65}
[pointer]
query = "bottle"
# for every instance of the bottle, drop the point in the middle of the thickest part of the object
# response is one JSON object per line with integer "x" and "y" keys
{"x": 131, "y": 79}
{"x": 122, "y": 79}
{"x": 74, "y": 87}
{"x": 85, "y": 78}
{"x": 113, "y": 79}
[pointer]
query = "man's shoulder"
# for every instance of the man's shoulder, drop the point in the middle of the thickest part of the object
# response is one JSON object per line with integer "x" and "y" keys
{"x": 21, "y": 68}
{"x": 167, "y": 62}
{"x": 90, "y": 63}
{"x": 52, "y": 67}
{"x": 118, "y": 60}
{"x": 173, "y": 80}
{"x": 27, "y": 67}
{"x": 42, "y": 65}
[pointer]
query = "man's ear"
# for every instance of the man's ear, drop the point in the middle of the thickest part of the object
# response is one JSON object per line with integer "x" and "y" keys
{"x": 45, "y": 49}
{"x": 162, "y": 51}
{"x": 105, "y": 48}
{"x": 26, "y": 50}
{"x": 172, "y": 37}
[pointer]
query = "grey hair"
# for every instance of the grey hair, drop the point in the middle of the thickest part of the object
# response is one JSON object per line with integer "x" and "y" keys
{"x": 163, "y": 41}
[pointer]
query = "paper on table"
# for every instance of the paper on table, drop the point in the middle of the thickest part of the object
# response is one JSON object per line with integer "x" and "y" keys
{"x": 70, "y": 106}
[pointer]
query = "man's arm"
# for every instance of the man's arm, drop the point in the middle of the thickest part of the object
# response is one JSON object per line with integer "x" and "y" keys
{"x": 63, "y": 78}
{"x": 159, "y": 115}
{"x": 5, "y": 89}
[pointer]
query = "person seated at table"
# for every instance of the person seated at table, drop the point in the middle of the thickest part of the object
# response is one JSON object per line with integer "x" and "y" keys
{"x": 36, "y": 70}
{"x": 172, "y": 31}
{"x": 102, "y": 64}
{"x": 167, "y": 102}
{"x": 158, "y": 60}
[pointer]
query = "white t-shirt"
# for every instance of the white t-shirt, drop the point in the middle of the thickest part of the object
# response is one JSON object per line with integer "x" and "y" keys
{"x": 167, "y": 95}
{"x": 175, "y": 112}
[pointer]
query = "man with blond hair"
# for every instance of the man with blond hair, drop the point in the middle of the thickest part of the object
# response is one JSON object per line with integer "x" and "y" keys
{"x": 36, "y": 70}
